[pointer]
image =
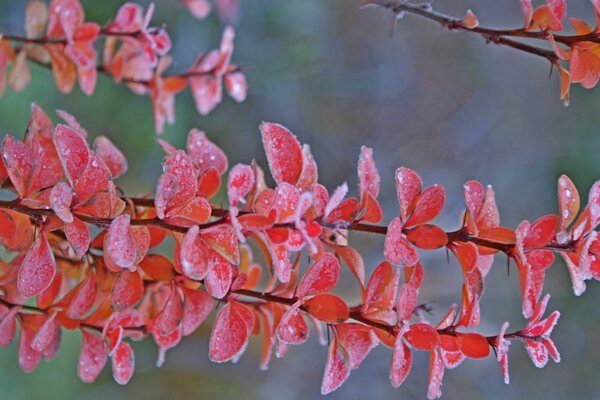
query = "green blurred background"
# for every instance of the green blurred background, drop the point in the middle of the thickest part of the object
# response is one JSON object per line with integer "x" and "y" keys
{"x": 447, "y": 105}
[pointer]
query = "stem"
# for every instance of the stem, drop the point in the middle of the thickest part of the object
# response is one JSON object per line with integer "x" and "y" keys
{"x": 497, "y": 36}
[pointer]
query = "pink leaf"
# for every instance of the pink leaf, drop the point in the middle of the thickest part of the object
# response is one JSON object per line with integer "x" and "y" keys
{"x": 123, "y": 363}
{"x": 219, "y": 277}
{"x": 111, "y": 155}
{"x": 408, "y": 189}
{"x": 197, "y": 304}
{"x": 292, "y": 328}
{"x": 239, "y": 183}
{"x": 397, "y": 250}
{"x": 568, "y": 201}
{"x": 407, "y": 301}
{"x": 401, "y": 361}
{"x": 204, "y": 153}
{"x": 229, "y": 336}
{"x": 368, "y": 176}
{"x": 357, "y": 340}
{"x": 72, "y": 151}
{"x": 78, "y": 236}
{"x": 428, "y": 206}
{"x": 18, "y": 161}
{"x": 127, "y": 290}
{"x": 283, "y": 151}
{"x": 337, "y": 369}
{"x": 92, "y": 357}
{"x": 320, "y": 277}
{"x": 120, "y": 247}
{"x": 436, "y": 375}
{"x": 61, "y": 197}
{"x": 37, "y": 269}
{"x": 83, "y": 298}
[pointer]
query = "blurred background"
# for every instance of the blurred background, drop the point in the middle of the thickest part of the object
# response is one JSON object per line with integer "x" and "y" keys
{"x": 445, "y": 104}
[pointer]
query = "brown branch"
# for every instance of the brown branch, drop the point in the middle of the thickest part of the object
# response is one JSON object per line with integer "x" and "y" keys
{"x": 497, "y": 36}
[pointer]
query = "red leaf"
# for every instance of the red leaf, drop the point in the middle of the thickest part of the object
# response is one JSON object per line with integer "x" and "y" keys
{"x": 120, "y": 247}
{"x": 283, "y": 151}
{"x": 320, "y": 277}
{"x": 223, "y": 239}
{"x": 537, "y": 352}
{"x": 353, "y": 259}
{"x": 428, "y": 237}
{"x": 422, "y": 337}
{"x": 47, "y": 337}
{"x": 208, "y": 183}
{"x": 111, "y": 155}
{"x": 37, "y": 269}
{"x": 157, "y": 267}
{"x": 488, "y": 216}
{"x": 61, "y": 197}
{"x": 239, "y": 183}
{"x": 193, "y": 254}
{"x": 436, "y": 375}
{"x": 368, "y": 176}
{"x": 236, "y": 85}
{"x": 72, "y": 151}
{"x": 219, "y": 277}
{"x": 78, "y": 236}
{"x": 127, "y": 290}
{"x": 337, "y": 368}
{"x": 172, "y": 313}
{"x": 428, "y": 206}
{"x": 83, "y": 298}
{"x": 95, "y": 178}
{"x": 327, "y": 308}
{"x": 401, "y": 362}
{"x": 292, "y": 328}
{"x": 92, "y": 357}
{"x": 473, "y": 345}
{"x": 19, "y": 164}
{"x": 380, "y": 291}
{"x": 396, "y": 249}
{"x": 123, "y": 363}
{"x": 229, "y": 336}
{"x": 357, "y": 340}
{"x": 541, "y": 232}
{"x": 197, "y": 304}
{"x": 28, "y": 357}
{"x": 407, "y": 301}
{"x": 568, "y": 201}
{"x": 408, "y": 188}
{"x": 310, "y": 174}
{"x": 8, "y": 327}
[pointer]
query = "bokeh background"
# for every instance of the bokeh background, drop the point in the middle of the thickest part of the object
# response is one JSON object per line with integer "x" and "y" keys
{"x": 445, "y": 104}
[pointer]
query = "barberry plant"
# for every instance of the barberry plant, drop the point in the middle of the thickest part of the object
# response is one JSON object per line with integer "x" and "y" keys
{"x": 83, "y": 256}
{"x": 133, "y": 52}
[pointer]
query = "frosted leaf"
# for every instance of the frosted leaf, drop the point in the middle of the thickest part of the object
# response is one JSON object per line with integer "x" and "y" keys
{"x": 488, "y": 217}
{"x": 537, "y": 352}
{"x": 283, "y": 151}
{"x": 229, "y": 335}
{"x": 197, "y": 305}
{"x": 436, "y": 375}
{"x": 120, "y": 247}
{"x": 78, "y": 236}
{"x": 61, "y": 197}
{"x": 321, "y": 276}
{"x": 166, "y": 190}
{"x": 236, "y": 85}
{"x": 123, "y": 363}
{"x": 408, "y": 189}
{"x": 193, "y": 255}
{"x": 336, "y": 198}
{"x": 28, "y": 357}
{"x": 401, "y": 360}
{"x": 95, "y": 178}
{"x": 239, "y": 183}
{"x": 357, "y": 340}
{"x": 72, "y": 151}
{"x": 428, "y": 206}
{"x": 37, "y": 269}
{"x": 172, "y": 312}
{"x": 407, "y": 301}
{"x": 48, "y": 333}
{"x": 219, "y": 277}
{"x": 127, "y": 290}
{"x": 83, "y": 299}
{"x": 18, "y": 161}
{"x": 368, "y": 176}
{"x": 397, "y": 250}
{"x": 337, "y": 369}
{"x": 111, "y": 155}
{"x": 8, "y": 327}
{"x": 204, "y": 153}
{"x": 568, "y": 201}
{"x": 594, "y": 204}
{"x": 292, "y": 328}
{"x": 281, "y": 262}
{"x": 473, "y": 195}
{"x": 310, "y": 173}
